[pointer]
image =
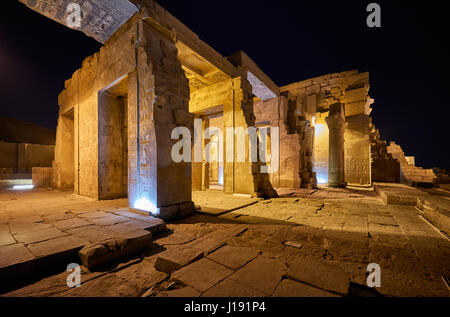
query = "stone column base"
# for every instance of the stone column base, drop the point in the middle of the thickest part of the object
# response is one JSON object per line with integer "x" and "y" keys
{"x": 175, "y": 211}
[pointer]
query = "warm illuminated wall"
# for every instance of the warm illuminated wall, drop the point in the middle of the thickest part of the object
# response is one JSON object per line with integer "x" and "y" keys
{"x": 321, "y": 148}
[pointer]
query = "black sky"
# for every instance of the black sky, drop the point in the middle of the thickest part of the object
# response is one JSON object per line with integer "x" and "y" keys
{"x": 291, "y": 40}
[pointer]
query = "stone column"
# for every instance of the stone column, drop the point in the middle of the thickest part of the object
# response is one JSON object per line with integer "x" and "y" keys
{"x": 336, "y": 164}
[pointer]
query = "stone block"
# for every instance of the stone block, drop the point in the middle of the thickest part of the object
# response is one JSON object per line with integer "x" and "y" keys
{"x": 319, "y": 275}
{"x": 95, "y": 255}
{"x": 202, "y": 274}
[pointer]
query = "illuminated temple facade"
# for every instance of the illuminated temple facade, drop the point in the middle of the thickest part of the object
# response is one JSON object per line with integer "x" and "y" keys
{"x": 154, "y": 74}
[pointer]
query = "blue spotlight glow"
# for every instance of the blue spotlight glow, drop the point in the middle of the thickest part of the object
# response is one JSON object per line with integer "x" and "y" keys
{"x": 146, "y": 205}
{"x": 22, "y": 187}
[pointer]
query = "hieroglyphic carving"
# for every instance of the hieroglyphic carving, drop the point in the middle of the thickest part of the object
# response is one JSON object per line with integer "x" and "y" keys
{"x": 99, "y": 19}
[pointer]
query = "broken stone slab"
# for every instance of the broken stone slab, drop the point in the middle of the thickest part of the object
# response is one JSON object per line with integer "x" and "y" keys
{"x": 177, "y": 257}
{"x": 290, "y": 288}
{"x": 317, "y": 274}
{"x": 95, "y": 255}
{"x": 202, "y": 274}
{"x": 233, "y": 257}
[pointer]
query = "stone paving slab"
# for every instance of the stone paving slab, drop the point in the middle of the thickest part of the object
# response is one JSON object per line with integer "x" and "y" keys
{"x": 263, "y": 274}
{"x": 233, "y": 257}
{"x": 218, "y": 203}
{"x": 6, "y": 238}
{"x": 54, "y": 246}
{"x": 39, "y": 235}
{"x": 109, "y": 220}
{"x": 231, "y": 288}
{"x": 202, "y": 274}
{"x": 72, "y": 223}
{"x": 319, "y": 275}
{"x": 177, "y": 257}
{"x": 14, "y": 254}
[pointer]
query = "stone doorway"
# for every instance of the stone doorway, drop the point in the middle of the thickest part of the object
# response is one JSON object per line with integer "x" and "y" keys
{"x": 216, "y": 166}
{"x": 113, "y": 140}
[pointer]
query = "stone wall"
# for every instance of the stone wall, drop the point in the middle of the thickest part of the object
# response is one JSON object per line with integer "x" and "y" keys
{"x": 21, "y": 158}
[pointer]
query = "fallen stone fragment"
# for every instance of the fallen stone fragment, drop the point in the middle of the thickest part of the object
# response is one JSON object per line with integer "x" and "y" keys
{"x": 293, "y": 244}
{"x": 95, "y": 255}
{"x": 314, "y": 273}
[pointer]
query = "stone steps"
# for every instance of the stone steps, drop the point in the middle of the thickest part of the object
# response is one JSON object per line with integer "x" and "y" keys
{"x": 21, "y": 263}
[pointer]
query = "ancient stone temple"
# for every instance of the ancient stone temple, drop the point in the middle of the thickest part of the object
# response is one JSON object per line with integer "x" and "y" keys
{"x": 118, "y": 113}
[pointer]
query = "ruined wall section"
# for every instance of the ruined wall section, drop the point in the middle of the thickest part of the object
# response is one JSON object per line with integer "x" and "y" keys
{"x": 410, "y": 173}
{"x": 384, "y": 167}
{"x": 315, "y": 96}
{"x": 22, "y": 157}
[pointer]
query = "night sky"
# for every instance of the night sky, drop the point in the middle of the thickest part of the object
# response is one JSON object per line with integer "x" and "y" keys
{"x": 408, "y": 57}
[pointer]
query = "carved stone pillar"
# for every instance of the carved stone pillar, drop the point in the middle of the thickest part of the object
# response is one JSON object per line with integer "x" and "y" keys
{"x": 336, "y": 163}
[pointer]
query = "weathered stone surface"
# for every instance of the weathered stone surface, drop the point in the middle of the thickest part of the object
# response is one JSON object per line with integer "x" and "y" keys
{"x": 176, "y": 238}
{"x": 72, "y": 223}
{"x": 110, "y": 220}
{"x": 142, "y": 276}
{"x": 175, "y": 258}
{"x": 202, "y": 274}
{"x": 317, "y": 274}
{"x": 231, "y": 288}
{"x": 263, "y": 274}
{"x": 105, "y": 286}
{"x": 68, "y": 244}
{"x": 40, "y": 235}
{"x": 181, "y": 293}
{"x": 93, "y": 233}
{"x": 233, "y": 257}
{"x": 289, "y": 288}
{"x": 131, "y": 225}
{"x": 94, "y": 215}
{"x": 6, "y": 238}
{"x": 95, "y": 255}
{"x": 13, "y": 254}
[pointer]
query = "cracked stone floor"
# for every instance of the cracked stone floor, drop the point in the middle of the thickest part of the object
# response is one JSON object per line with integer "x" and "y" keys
{"x": 249, "y": 251}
